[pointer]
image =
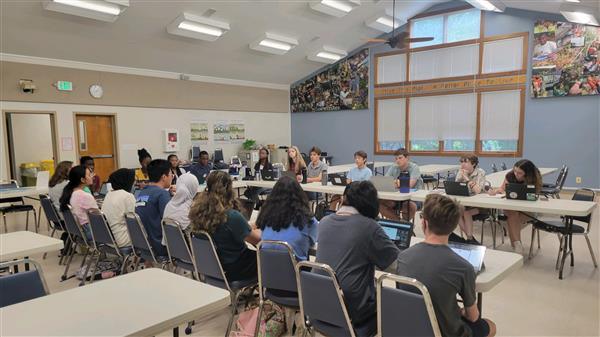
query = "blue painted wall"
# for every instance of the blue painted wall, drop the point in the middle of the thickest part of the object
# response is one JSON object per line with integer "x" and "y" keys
{"x": 557, "y": 130}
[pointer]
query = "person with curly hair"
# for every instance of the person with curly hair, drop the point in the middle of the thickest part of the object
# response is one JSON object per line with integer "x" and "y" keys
{"x": 217, "y": 211}
{"x": 286, "y": 216}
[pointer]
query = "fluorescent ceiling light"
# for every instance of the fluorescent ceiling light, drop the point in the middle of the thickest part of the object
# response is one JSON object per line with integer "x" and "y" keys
{"x": 383, "y": 22}
{"x": 274, "y": 44}
{"x": 337, "y": 8}
{"x": 197, "y": 27}
{"x": 488, "y": 5}
{"x": 572, "y": 0}
{"x": 579, "y": 14}
{"x": 103, "y": 10}
{"x": 327, "y": 55}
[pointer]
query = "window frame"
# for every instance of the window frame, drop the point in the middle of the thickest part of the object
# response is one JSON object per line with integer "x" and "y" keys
{"x": 445, "y": 15}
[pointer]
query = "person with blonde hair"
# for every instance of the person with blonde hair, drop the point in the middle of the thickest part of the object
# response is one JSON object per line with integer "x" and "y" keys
{"x": 295, "y": 162}
{"x": 217, "y": 211}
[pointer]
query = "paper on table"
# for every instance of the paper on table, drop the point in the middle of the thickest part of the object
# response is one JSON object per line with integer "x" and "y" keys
{"x": 43, "y": 177}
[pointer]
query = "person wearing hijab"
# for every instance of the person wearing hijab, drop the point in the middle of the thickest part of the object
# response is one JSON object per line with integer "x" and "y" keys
{"x": 117, "y": 202}
{"x": 178, "y": 208}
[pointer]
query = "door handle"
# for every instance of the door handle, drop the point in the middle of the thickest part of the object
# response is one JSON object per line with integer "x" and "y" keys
{"x": 100, "y": 156}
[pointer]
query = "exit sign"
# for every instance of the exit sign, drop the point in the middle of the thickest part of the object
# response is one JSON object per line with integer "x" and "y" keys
{"x": 64, "y": 86}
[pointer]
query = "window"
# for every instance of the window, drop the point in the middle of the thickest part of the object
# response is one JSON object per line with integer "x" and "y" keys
{"x": 391, "y": 120}
{"x": 500, "y": 120}
{"x": 447, "y": 28}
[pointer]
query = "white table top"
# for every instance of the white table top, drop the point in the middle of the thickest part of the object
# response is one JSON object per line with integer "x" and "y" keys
{"x": 550, "y": 206}
{"x": 434, "y": 169}
{"x": 498, "y": 266}
{"x": 23, "y": 192}
{"x": 17, "y": 245}
{"x": 496, "y": 179}
{"x": 142, "y": 303}
{"x": 347, "y": 167}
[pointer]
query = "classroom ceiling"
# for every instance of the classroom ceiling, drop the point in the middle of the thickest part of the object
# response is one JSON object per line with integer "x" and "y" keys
{"x": 138, "y": 38}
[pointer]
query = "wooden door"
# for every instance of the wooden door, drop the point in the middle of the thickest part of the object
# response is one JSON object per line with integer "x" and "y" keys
{"x": 95, "y": 138}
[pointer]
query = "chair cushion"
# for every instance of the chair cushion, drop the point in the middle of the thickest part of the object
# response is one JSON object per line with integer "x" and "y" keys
{"x": 557, "y": 227}
{"x": 283, "y": 298}
{"x": 236, "y": 285}
{"x": 550, "y": 190}
{"x": 366, "y": 329}
{"x": 16, "y": 208}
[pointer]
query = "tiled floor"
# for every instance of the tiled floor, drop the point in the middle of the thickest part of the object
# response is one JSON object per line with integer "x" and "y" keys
{"x": 530, "y": 302}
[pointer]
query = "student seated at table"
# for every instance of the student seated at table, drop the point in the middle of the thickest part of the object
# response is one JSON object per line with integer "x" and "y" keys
{"x": 474, "y": 176}
{"x": 263, "y": 163}
{"x": 141, "y": 174}
{"x": 286, "y": 216}
{"x": 88, "y": 162}
{"x": 295, "y": 162}
{"x": 359, "y": 173}
{"x": 353, "y": 244}
{"x": 178, "y": 208}
{"x": 316, "y": 167}
{"x": 217, "y": 212}
{"x": 117, "y": 202}
{"x": 202, "y": 168}
{"x": 445, "y": 273}
{"x": 523, "y": 172}
{"x": 152, "y": 200}
{"x": 177, "y": 170}
{"x": 57, "y": 183}
{"x": 403, "y": 164}
{"x": 80, "y": 201}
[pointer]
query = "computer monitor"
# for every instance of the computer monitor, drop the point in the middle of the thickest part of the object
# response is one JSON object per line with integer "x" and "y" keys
{"x": 218, "y": 157}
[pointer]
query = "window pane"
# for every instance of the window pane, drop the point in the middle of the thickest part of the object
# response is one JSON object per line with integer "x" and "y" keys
{"x": 499, "y": 145}
{"x": 390, "y": 145}
{"x": 433, "y": 27}
{"x": 462, "y": 145}
{"x": 424, "y": 145}
{"x": 463, "y": 26}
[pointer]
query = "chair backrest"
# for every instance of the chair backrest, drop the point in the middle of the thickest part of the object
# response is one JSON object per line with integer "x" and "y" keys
{"x": 584, "y": 194}
{"x": 563, "y": 178}
{"x": 276, "y": 266}
{"x": 503, "y": 166}
{"x": 321, "y": 298}
{"x": 73, "y": 227}
{"x": 139, "y": 238}
{"x": 22, "y": 286}
{"x": 494, "y": 168}
{"x": 50, "y": 211}
{"x": 403, "y": 312}
{"x": 371, "y": 167}
{"x": 177, "y": 246}
{"x": 101, "y": 233}
{"x": 207, "y": 261}
{"x": 560, "y": 175}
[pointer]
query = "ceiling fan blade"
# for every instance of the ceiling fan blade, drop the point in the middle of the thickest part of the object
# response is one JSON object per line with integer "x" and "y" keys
{"x": 418, "y": 39}
{"x": 377, "y": 40}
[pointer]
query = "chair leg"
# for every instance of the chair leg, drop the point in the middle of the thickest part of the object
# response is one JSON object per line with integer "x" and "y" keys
{"x": 51, "y": 235}
{"x": 587, "y": 239}
{"x": 87, "y": 268}
{"x": 260, "y": 309}
{"x": 27, "y": 221}
{"x": 482, "y": 227}
{"x": 560, "y": 247}
{"x": 234, "y": 304}
{"x": 531, "y": 244}
{"x": 570, "y": 238}
{"x": 36, "y": 221}
{"x": 494, "y": 231}
{"x": 4, "y": 219}
{"x": 68, "y": 263}
{"x": 95, "y": 267}
{"x": 538, "y": 236}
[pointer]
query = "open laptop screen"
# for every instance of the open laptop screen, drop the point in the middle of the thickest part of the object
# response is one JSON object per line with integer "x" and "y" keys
{"x": 399, "y": 232}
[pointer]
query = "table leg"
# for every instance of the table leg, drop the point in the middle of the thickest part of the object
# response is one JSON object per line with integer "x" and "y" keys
{"x": 176, "y": 332}
{"x": 480, "y": 303}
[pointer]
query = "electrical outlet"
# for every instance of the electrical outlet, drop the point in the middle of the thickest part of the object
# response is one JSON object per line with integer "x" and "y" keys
{"x": 578, "y": 180}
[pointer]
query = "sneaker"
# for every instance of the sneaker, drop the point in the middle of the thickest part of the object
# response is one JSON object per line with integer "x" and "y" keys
{"x": 518, "y": 247}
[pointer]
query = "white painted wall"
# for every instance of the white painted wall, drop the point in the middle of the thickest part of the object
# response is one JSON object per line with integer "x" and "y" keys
{"x": 142, "y": 127}
{"x": 32, "y": 138}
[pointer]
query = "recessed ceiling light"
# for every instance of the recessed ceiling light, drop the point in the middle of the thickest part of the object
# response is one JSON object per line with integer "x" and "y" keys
{"x": 572, "y": 0}
{"x": 579, "y": 14}
{"x": 384, "y": 22}
{"x": 327, "y": 55}
{"x": 488, "y": 5}
{"x": 104, "y": 10}
{"x": 274, "y": 44}
{"x": 197, "y": 27}
{"x": 337, "y": 8}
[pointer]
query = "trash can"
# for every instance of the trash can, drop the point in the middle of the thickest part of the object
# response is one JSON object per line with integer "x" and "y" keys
{"x": 47, "y": 165}
{"x": 29, "y": 173}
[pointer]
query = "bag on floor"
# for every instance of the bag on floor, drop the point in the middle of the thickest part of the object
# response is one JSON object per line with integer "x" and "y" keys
{"x": 272, "y": 322}
{"x": 321, "y": 210}
{"x": 105, "y": 269}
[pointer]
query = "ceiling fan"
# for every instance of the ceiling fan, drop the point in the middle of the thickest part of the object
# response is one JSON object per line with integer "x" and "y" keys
{"x": 399, "y": 40}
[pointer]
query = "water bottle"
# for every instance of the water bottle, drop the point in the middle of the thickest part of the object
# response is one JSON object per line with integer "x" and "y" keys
{"x": 257, "y": 175}
{"x": 404, "y": 182}
{"x": 304, "y": 176}
{"x": 324, "y": 177}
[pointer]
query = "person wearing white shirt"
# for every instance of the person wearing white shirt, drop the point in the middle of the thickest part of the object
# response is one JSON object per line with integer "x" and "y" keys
{"x": 117, "y": 202}
{"x": 544, "y": 47}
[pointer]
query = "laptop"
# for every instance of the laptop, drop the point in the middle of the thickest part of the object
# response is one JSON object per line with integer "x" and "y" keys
{"x": 456, "y": 188}
{"x": 520, "y": 192}
{"x": 338, "y": 179}
{"x": 267, "y": 174}
{"x": 384, "y": 183}
{"x": 400, "y": 232}
{"x": 474, "y": 254}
